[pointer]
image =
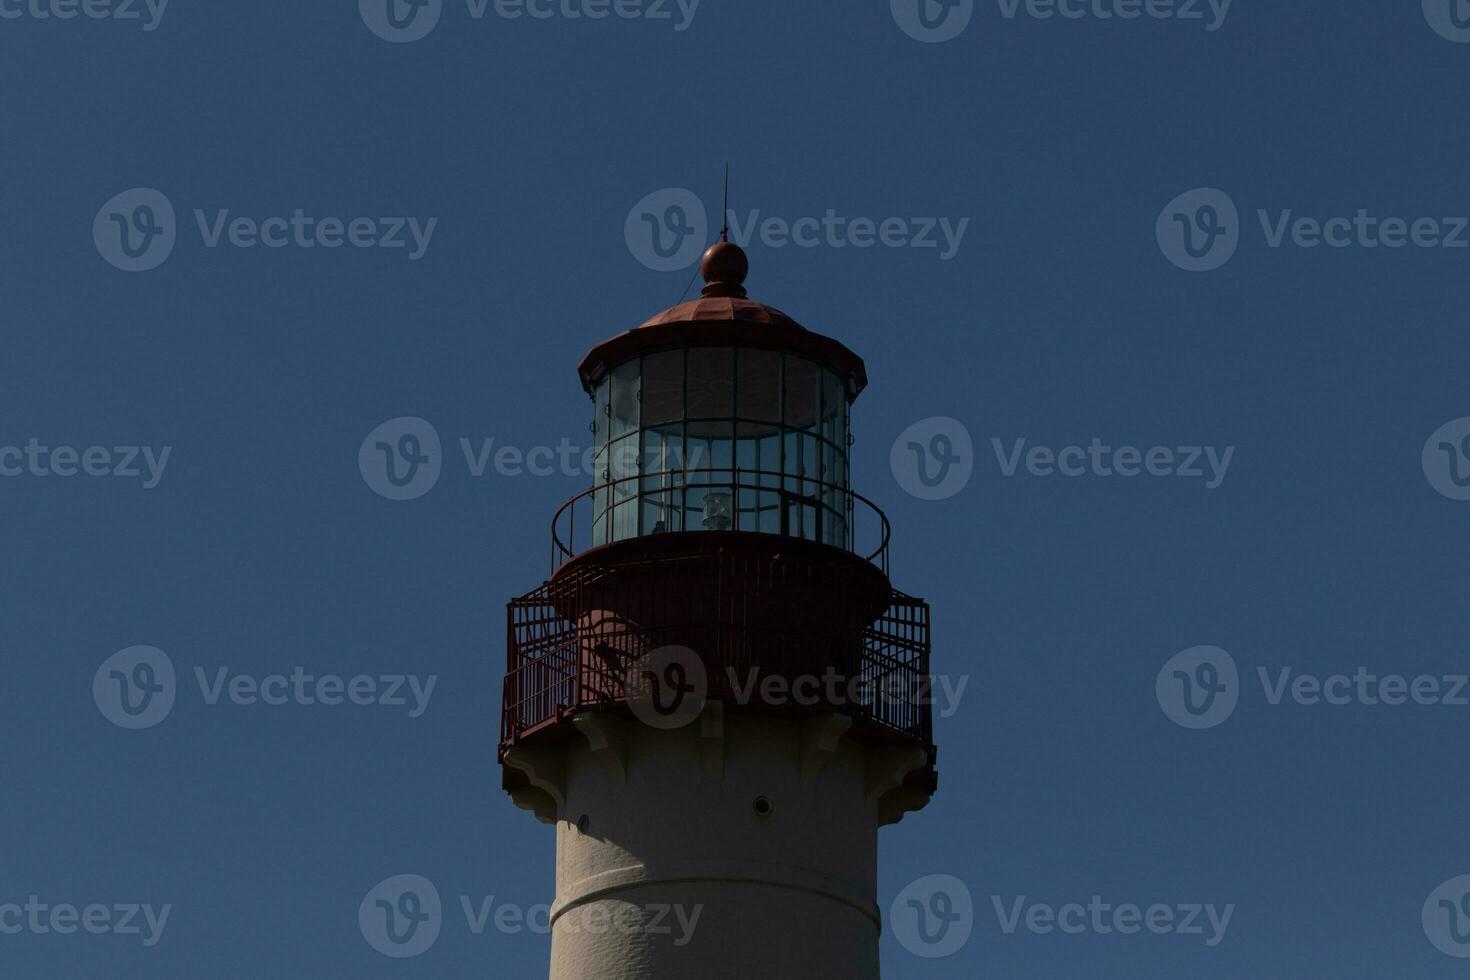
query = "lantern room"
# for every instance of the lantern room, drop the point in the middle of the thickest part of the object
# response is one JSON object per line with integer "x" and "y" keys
{"x": 722, "y": 414}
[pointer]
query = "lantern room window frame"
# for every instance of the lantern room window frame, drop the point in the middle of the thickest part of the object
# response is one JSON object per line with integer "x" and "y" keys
{"x": 665, "y": 472}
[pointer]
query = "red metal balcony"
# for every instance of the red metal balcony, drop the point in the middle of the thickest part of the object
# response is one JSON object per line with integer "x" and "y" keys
{"x": 751, "y": 605}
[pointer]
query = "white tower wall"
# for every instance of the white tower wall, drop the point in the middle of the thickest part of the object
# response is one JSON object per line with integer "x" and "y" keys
{"x": 677, "y": 873}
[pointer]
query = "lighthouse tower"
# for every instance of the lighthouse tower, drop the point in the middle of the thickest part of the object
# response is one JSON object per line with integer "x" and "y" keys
{"x": 718, "y": 697}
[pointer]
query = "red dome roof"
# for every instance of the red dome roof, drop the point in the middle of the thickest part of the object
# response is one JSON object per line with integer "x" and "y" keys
{"x": 723, "y": 316}
{"x": 723, "y": 309}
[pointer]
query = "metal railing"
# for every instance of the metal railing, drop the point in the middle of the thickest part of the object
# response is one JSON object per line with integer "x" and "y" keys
{"x": 566, "y": 653}
{"x": 785, "y": 504}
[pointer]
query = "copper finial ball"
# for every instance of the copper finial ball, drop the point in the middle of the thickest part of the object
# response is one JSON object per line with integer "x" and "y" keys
{"x": 724, "y": 268}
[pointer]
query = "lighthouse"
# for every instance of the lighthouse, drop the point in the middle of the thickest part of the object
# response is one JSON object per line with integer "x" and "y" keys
{"x": 718, "y": 697}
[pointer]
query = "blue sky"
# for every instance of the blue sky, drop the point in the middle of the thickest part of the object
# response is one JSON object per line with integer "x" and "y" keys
{"x": 1074, "y": 152}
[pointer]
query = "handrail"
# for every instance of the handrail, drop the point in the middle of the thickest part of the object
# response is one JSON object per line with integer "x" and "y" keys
{"x": 561, "y": 659}
{"x": 729, "y": 478}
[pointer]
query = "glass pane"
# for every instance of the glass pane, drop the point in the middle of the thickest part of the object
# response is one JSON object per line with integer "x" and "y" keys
{"x": 663, "y": 387}
{"x": 711, "y": 382}
{"x": 722, "y": 447}
{"x": 657, "y": 513}
{"x": 600, "y": 424}
{"x": 759, "y": 394}
{"x": 770, "y": 512}
{"x": 663, "y": 453}
{"x": 600, "y": 515}
{"x": 625, "y": 395}
{"x": 623, "y": 463}
{"x": 801, "y": 394}
{"x": 791, "y": 461}
{"x": 747, "y": 517}
{"x": 653, "y": 451}
{"x": 770, "y": 461}
{"x": 625, "y": 520}
{"x": 709, "y": 447}
{"x": 833, "y": 400}
{"x": 839, "y": 531}
{"x": 839, "y": 468}
{"x": 833, "y": 503}
{"x": 841, "y": 441}
{"x": 747, "y": 460}
{"x": 811, "y": 463}
{"x": 833, "y": 404}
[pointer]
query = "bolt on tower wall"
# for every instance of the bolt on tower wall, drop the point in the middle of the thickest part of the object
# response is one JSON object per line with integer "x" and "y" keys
{"x": 718, "y": 697}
